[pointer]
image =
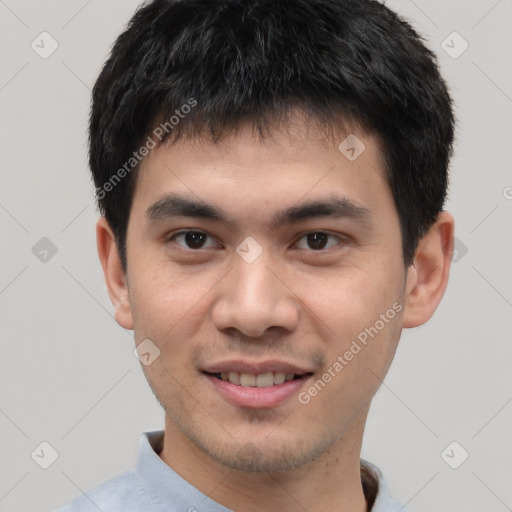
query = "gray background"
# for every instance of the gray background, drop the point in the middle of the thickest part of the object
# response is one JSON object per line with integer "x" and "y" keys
{"x": 68, "y": 374}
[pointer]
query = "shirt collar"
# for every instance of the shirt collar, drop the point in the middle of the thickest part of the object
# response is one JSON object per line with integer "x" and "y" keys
{"x": 167, "y": 487}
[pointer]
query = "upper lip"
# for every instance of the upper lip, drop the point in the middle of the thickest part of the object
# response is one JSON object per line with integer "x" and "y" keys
{"x": 255, "y": 367}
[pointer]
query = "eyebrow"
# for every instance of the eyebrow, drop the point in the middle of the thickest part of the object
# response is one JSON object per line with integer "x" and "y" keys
{"x": 173, "y": 205}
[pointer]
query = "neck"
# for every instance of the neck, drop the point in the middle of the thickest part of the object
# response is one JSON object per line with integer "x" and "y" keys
{"x": 330, "y": 483}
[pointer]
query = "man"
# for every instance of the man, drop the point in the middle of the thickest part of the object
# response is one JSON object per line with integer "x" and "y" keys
{"x": 271, "y": 177}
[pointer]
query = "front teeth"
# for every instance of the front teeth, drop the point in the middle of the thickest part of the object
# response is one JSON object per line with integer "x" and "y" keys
{"x": 247, "y": 380}
{"x": 262, "y": 380}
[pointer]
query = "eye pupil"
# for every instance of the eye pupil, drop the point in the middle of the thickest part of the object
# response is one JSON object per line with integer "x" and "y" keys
{"x": 317, "y": 239}
{"x": 194, "y": 239}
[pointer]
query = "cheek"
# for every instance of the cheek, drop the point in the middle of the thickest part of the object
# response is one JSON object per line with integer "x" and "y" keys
{"x": 350, "y": 299}
{"x": 355, "y": 366}
{"x": 164, "y": 299}
{"x": 172, "y": 311}
{"x": 358, "y": 321}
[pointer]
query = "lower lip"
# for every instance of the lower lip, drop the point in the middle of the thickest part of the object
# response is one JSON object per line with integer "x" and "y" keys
{"x": 254, "y": 397}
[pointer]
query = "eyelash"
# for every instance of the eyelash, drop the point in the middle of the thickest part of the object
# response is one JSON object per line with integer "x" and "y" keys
{"x": 173, "y": 237}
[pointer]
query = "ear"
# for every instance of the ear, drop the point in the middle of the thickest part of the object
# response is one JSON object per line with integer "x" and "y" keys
{"x": 115, "y": 276}
{"x": 427, "y": 277}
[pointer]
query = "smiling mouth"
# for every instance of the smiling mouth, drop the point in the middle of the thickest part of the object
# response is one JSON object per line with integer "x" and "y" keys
{"x": 261, "y": 380}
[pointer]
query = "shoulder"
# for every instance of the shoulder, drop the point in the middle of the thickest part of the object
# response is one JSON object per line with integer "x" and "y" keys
{"x": 122, "y": 493}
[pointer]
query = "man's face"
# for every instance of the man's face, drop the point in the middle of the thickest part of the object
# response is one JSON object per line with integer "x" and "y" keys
{"x": 245, "y": 299}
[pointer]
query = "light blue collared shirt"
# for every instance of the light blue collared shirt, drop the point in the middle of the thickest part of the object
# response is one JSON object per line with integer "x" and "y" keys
{"x": 154, "y": 487}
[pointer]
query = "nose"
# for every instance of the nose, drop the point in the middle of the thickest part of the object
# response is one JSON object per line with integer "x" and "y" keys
{"x": 254, "y": 298}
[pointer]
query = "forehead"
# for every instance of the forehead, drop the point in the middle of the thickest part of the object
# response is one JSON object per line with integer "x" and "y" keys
{"x": 249, "y": 175}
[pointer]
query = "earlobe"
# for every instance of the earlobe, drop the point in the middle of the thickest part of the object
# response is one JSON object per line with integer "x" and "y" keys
{"x": 428, "y": 277}
{"x": 115, "y": 277}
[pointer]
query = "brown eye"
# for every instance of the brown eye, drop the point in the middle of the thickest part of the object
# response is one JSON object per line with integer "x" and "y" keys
{"x": 191, "y": 239}
{"x": 318, "y": 240}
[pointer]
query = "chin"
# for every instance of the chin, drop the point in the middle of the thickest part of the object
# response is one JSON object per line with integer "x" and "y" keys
{"x": 264, "y": 455}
